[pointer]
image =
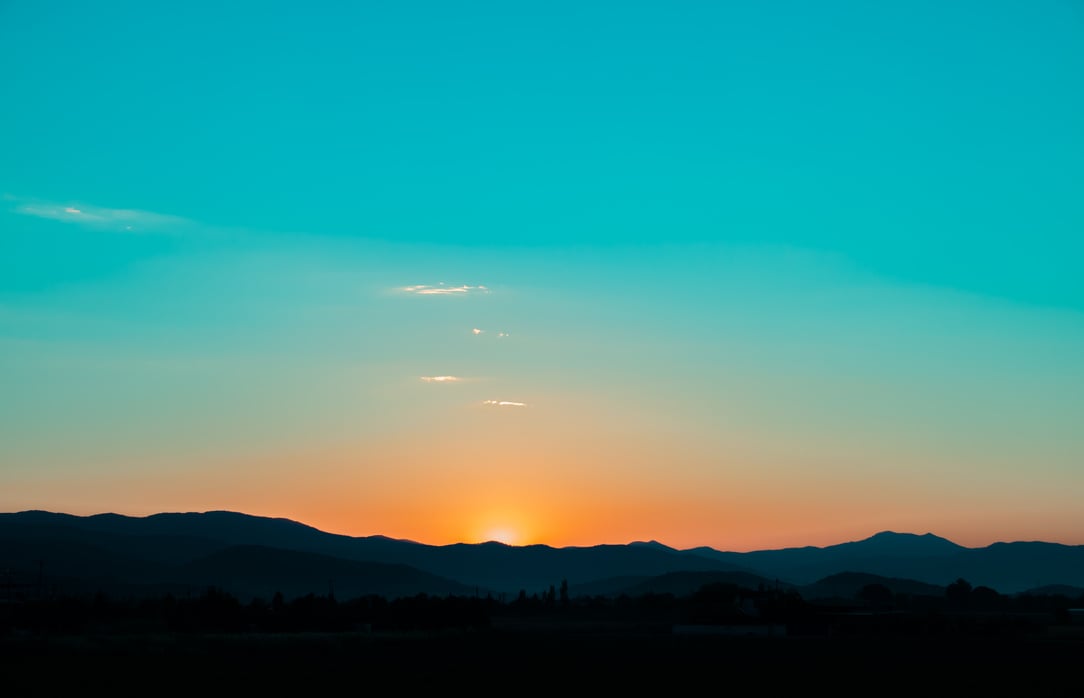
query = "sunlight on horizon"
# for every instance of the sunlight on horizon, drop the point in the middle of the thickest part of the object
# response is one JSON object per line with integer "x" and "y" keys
{"x": 501, "y": 535}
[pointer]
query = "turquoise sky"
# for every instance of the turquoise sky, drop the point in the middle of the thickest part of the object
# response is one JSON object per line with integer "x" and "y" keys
{"x": 745, "y": 274}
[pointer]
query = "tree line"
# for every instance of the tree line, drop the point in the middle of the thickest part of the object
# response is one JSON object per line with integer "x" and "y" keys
{"x": 215, "y": 610}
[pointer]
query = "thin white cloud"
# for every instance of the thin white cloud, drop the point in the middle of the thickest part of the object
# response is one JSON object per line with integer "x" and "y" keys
{"x": 476, "y": 332}
{"x": 442, "y": 290}
{"x": 441, "y": 379}
{"x": 124, "y": 219}
{"x": 503, "y": 403}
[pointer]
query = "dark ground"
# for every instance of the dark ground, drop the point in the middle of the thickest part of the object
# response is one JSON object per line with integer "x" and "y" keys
{"x": 512, "y": 658}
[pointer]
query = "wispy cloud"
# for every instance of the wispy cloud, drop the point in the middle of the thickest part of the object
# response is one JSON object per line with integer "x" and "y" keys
{"x": 443, "y": 290}
{"x": 503, "y": 403}
{"x": 477, "y": 332}
{"x": 124, "y": 219}
{"x": 441, "y": 379}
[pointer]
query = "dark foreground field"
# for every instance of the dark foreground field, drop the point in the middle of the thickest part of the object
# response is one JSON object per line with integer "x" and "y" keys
{"x": 512, "y": 659}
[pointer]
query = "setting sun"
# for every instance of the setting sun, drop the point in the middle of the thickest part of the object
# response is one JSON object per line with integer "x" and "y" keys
{"x": 502, "y": 525}
{"x": 501, "y": 535}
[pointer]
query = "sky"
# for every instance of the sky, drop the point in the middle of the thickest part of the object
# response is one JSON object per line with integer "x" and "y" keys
{"x": 740, "y": 274}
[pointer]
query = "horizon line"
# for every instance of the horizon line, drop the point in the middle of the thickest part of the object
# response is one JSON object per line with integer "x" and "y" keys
{"x": 651, "y": 541}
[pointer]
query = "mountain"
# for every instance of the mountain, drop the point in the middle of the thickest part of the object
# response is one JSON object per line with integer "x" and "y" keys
{"x": 675, "y": 583}
{"x": 508, "y": 569}
{"x": 260, "y": 571}
{"x": 172, "y": 550}
{"x": 1056, "y": 590}
{"x": 810, "y": 563}
{"x": 1006, "y": 567}
{"x": 77, "y": 566}
{"x": 132, "y": 551}
{"x": 181, "y": 554}
{"x": 847, "y": 585}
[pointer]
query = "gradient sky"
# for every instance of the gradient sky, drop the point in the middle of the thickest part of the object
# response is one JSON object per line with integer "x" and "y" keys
{"x": 738, "y": 274}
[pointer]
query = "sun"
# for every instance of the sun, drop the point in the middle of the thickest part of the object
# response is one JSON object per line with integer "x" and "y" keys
{"x": 502, "y": 534}
{"x": 502, "y": 524}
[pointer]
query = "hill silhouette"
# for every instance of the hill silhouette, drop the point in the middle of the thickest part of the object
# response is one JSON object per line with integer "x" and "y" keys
{"x": 849, "y": 585}
{"x": 675, "y": 583}
{"x": 249, "y": 571}
{"x": 1007, "y": 567}
{"x": 486, "y": 567}
{"x": 256, "y": 554}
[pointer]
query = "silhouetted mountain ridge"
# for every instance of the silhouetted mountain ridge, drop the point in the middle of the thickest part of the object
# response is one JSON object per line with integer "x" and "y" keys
{"x": 848, "y": 585}
{"x": 1007, "y": 567}
{"x": 261, "y": 571}
{"x": 676, "y": 583}
{"x": 156, "y": 549}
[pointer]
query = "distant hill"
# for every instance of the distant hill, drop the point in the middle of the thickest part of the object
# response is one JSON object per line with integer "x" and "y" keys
{"x": 178, "y": 550}
{"x": 76, "y": 566}
{"x": 260, "y": 571}
{"x": 1057, "y": 590}
{"x": 847, "y": 586}
{"x": 139, "y": 557}
{"x": 133, "y": 551}
{"x": 686, "y": 583}
{"x": 1006, "y": 567}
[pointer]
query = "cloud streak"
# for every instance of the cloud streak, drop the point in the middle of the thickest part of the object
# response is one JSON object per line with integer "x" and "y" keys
{"x": 442, "y": 290}
{"x": 99, "y": 217}
{"x": 441, "y": 379}
{"x": 503, "y": 403}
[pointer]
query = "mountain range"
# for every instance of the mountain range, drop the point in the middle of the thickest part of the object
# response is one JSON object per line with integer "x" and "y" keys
{"x": 257, "y": 556}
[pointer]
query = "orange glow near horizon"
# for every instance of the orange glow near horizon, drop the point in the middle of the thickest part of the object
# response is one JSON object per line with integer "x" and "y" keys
{"x": 554, "y": 518}
{"x": 448, "y": 489}
{"x": 505, "y": 535}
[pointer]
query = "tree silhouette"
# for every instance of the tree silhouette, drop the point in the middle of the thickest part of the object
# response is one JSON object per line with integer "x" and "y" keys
{"x": 958, "y": 592}
{"x": 876, "y": 594}
{"x": 984, "y": 597}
